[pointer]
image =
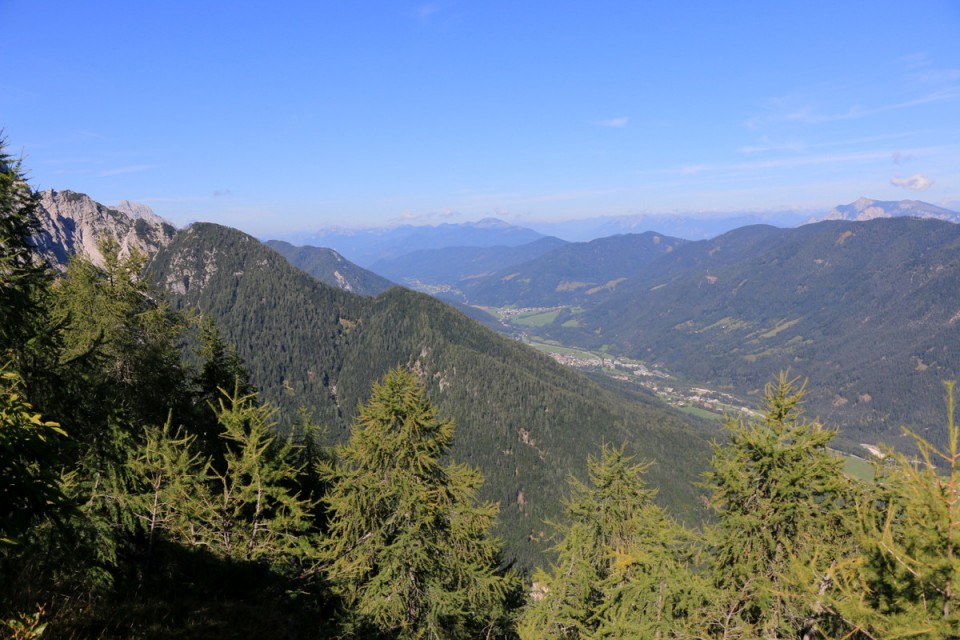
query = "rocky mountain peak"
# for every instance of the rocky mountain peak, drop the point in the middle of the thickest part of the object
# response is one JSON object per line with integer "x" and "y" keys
{"x": 73, "y": 223}
{"x": 864, "y": 209}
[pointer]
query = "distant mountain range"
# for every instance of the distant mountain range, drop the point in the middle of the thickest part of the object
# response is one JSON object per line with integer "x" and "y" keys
{"x": 686, "y": 226}
{"x": 367, "y": 246}
{"x": 452, "y": 265}
{"x": 867, "y": 311}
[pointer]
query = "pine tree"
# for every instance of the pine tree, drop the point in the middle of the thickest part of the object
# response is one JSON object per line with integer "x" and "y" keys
{"x": 622, "y": 563}
{"x": 409, "y": 549}
{"x": 777, "y": 492}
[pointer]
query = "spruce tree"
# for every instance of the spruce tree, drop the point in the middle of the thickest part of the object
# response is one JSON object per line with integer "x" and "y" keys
{"x": 409, "y": 549}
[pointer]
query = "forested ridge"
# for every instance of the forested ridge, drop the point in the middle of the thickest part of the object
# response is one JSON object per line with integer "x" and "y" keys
{"x": 151, "y": 494}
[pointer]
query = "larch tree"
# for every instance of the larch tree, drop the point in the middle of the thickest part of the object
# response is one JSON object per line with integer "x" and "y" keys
{"x": 622, "y": 568}
{"x": 778, "y": 494}
{"x": 906, "y": 580}
{"x": 409, "y": 549}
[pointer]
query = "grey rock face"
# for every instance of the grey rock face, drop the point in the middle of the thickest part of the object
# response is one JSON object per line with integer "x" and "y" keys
{"x": 73, "y": 224}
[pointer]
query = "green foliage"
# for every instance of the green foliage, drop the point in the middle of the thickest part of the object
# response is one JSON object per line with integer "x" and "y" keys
{"x": 622, "y": 568}
{"x": 22, "y": 275}
{"x": 777, "y": 494}
{"x": 31, "y": 485}
{"x": 26, "y": 626}
{"x": 905, "y": 581}
{"x": 128, "y": 350}
{"x": 249, "y": 512}
{"x": 409, "y": 549}
{"x": 167, "y": 478}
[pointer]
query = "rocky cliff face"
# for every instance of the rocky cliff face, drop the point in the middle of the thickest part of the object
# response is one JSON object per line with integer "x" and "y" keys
{"x": 72, "y": 223}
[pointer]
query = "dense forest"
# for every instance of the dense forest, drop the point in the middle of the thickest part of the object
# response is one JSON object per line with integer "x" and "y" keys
{"x": 147, "y": 492}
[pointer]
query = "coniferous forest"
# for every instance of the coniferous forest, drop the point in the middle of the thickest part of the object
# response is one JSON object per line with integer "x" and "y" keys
{"x": 147, "y": 491}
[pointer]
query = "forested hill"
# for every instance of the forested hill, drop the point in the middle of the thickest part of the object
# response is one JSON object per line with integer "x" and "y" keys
{"x": 526, "y": 421}
{"x": 572, "y": 274}
{"x": 868, "y": 311}
{"x": 329, "y": 267}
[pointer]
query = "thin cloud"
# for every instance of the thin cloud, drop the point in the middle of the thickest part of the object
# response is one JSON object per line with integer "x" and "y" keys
{"x": 222, "y": 193}
{"x": 614, "y": 122}
{"x": 917, "y": 182}
{"x": 425, "y": 11}
{"x": 901, "y": 158}
{"x": 808, "y": 115}
{"x": 133, "y": 168}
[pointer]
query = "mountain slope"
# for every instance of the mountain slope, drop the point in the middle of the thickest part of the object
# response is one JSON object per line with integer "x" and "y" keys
{"x": 524, "y": 420}
{"x": 451, "y": 265}
{"x": 571, "y": 274}
{"x": 329, "y": 267}
{"x": 868, "y": 311}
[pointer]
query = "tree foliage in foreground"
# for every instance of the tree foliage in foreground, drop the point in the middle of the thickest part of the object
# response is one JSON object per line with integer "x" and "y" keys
{"x": 409, "y": 548}
{"x": 905, "y": 581}
{"x": 623, "y": 565}
{"x": 778, "y": 495}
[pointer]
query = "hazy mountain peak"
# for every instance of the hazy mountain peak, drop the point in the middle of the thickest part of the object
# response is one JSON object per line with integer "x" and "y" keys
{"x": 864, "y": 209}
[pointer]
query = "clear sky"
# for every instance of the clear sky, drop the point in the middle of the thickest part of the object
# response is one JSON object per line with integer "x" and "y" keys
{"x": 281, "y": 116}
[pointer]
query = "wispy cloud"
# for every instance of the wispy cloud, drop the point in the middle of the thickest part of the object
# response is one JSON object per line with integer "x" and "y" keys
{"x": 425, "y": 11}
{"x": 780, "y": 163}
{"x": 917, "y": 182}
{"x": 901, "y": 158}
{"x": 618, "y": 123}
{"x": 809, "y": 115}
{"x": 133, "y": 168}
{"x": 222, "y": 193}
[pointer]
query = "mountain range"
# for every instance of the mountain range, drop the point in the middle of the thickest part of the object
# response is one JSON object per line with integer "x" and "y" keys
{"x": 527, "y": 422}
{"x": 367, "y": 246}
{"x": 866, "y": 311}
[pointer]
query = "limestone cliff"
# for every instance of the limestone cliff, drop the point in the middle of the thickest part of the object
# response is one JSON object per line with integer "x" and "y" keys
{"x": 72, "y": 223}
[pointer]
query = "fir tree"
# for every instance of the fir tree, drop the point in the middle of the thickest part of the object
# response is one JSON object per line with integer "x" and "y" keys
{"x": 409, "y": 549}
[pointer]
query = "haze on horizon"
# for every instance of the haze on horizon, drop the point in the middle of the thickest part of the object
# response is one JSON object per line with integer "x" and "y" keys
{"x": 309, "y": 115}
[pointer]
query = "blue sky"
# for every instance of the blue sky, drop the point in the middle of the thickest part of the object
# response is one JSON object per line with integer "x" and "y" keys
{"x": 284, "y": 116}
